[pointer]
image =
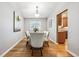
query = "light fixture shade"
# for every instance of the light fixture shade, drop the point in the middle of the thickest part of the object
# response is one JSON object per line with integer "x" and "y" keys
{"x": 36, "y": 15}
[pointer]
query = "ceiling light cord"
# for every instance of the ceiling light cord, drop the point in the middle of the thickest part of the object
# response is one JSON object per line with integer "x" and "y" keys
{"x": 36, "y": 9}
{"x": 37, "y": 12}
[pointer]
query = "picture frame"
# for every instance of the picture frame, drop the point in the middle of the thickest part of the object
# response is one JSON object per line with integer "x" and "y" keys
{"x": 16, "y": 22}
{"x": 50, "y": 23}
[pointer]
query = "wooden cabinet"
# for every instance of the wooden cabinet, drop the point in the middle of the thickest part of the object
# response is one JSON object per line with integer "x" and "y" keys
{"x": 66, "y": 32}
{"x": 59, "y": 21}
{"x": 65, "y": 22}
{"x": 62, "y": 22}
{"x": 61, "y": 37}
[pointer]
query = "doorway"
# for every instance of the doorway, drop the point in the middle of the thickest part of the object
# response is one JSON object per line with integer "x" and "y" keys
{"x": 62, "y": 27}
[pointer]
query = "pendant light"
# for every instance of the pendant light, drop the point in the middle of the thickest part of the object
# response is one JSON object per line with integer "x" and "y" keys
{"x": 36, "y": 14}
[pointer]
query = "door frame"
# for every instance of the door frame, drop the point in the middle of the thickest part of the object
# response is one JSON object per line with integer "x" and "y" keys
{"x": 57, "y": 22}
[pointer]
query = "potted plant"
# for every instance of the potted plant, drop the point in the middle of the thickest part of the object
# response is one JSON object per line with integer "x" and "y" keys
{"x": 35, "y": 29}
{"x": 18, "y": 18}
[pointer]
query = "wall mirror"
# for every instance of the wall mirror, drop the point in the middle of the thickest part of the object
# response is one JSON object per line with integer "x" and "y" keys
{"x": 16, "y": 22}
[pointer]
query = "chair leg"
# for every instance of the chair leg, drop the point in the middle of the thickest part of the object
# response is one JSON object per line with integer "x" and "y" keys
{"x": 41, "y": 51}
{"x": 48, "y": 44}
{"x": 26, "y": 43}
{"x": 32, "y": 51}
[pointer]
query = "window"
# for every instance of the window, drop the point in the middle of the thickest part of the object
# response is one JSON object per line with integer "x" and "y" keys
{"x": 35, "y": 24}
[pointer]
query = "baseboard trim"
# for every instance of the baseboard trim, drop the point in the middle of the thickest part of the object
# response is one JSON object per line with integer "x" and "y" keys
{"x": 53, "y": 41}
{"x": 11, "y": 47}
{"x": 73, "y": 54}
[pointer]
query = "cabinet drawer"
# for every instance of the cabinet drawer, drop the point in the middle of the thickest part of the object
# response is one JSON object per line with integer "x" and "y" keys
{"x": 61, "y": 37}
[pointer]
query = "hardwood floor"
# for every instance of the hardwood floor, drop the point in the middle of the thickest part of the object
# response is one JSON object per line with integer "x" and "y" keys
{"x": 53, "y": 50}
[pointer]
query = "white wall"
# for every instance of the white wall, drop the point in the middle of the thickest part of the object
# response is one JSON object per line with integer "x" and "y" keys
{"x": 73, "y": 25}
{"x": 7, "y": 37}
{"x": 53, "y": 29}
{"x": 73, "y": 38}
{"x": 43, "y": 23}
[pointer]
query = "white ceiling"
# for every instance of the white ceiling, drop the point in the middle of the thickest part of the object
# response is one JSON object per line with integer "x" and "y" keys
{"x": 28, "y": 9}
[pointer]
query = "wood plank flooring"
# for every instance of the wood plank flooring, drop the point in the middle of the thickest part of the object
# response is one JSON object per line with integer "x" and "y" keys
{"x": 53, "y": 50}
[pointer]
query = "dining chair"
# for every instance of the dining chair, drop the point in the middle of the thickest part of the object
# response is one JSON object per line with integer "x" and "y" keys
{"x": 37, "y": 40}
{"x": 27, "y": 34}
{"x": 46, "y": 37}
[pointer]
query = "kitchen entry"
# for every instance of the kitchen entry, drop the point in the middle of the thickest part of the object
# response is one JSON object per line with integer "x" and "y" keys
{"x": 62, "y": 27}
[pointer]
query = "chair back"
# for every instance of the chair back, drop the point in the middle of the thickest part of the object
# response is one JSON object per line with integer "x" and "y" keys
{"x": 27, "y": 34}
{"x": 46, "y": 35}
{"x": 37, "y": 40}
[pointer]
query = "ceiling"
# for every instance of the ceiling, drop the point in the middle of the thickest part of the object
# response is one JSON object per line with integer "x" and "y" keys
{"x": 45, "y": 9}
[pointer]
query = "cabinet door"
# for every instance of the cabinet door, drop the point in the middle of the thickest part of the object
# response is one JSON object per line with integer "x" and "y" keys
{"x": 59, "y": 19}
{"x": 65, "y": 22}
{"x": 61, "y": 37}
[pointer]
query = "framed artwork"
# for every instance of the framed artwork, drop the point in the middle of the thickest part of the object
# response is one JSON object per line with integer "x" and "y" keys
{"x": 35, "y": 24}
{"x": 16, "y": 22}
